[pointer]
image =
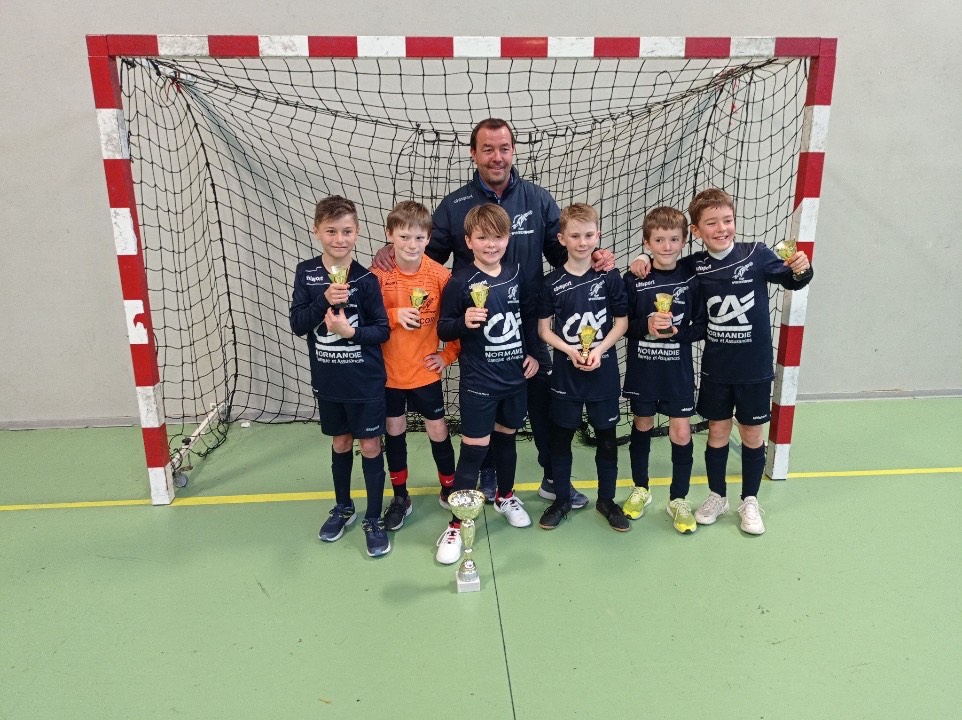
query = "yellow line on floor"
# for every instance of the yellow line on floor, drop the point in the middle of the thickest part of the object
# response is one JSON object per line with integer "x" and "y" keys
{"x": 524, "y": 487}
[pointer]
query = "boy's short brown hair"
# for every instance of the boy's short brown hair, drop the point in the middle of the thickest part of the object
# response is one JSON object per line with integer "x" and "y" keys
{"x": 408, "y": 214}
{"x": 332, "y": 208}
{"x": 489, "y": 218}
{"x": 664, "y": 218}
{"x": 579, "y": 212}
{"x": 706, "y": 200}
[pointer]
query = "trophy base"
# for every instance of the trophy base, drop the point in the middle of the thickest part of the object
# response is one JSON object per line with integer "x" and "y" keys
{"x": 664, "y": 332}
{"x": 468, "y": 585}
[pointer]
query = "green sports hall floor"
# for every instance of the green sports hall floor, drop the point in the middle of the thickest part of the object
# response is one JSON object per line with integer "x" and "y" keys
{"x": 225, "y": 605}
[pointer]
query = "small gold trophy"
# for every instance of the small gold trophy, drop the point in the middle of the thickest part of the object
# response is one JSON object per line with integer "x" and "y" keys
{"x": 786, "y": 249}
{"x": 418, "y": 296}
{"x": 338, "y": 276}
{"x": 479, "y": 294}
{"x": 587, "y": 336}
{"x": 663, "y": 304}
{"x": 466, "y": 506}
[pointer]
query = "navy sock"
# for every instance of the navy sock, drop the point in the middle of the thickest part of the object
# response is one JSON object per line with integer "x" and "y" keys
{"x": 561, "y": 460}
{"x": 505, "y": 460}
{"x": 716, "y": 465}
{"x": 396, "y": 449}
{"x": 443, "y": 452}
{"x": 374, "y": 483}
{"x": 469, "y": 464}
{"x": 638, "y": 450}
{"x": 753, "y": 466}
{"x": 606, "y": 462}
{"x": 682, "y": 459}
{"x": 341, "y": 466}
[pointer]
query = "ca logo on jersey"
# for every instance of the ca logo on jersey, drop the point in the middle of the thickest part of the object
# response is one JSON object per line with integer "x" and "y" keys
{"x": 730, "y": 309}
{"x": 503, "y": 331}
{"x": 574, "y": 323}
{"x": 329, "y": 338}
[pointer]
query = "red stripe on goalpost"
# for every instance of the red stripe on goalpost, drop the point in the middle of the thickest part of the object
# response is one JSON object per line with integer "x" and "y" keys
{"x": 144, "y": 361}
{"x": 224, "y": 46}
{"x": 821, "y": 79}
{"x": 708, "y": 47}
{"x": 796, "y": 46}
{"x": 155, "y": 446}
{"x": 145, "y": 45}
{"x": 332, "y": 46}
{"x": 783, "y": 420}
{"x": 429, "y": 47}
{"x": 530, "y": 47}
{"x": 808, "y": 182}
{"x": 808, "y": 248}
{"x": 790, "y": 345}
{"x": 617, "y": 46}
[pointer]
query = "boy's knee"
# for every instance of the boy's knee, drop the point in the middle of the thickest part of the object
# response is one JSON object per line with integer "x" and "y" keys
{"x": 644, "y": 424}
{"x": 437, "y": 430}
{"x": 370, "y": 447}
{"x": 342, "y": 443}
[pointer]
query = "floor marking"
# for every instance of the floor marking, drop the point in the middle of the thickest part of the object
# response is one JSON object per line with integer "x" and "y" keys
{"x": 523, "y": 487}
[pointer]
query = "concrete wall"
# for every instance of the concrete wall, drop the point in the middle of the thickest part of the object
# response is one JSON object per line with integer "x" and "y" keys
{"x": 885, "y": 312}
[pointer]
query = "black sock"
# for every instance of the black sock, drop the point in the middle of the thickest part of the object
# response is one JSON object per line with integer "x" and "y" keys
{"x": 638, "y": 450}
{"x": 341, "y": 466}
{"x": 396, "y": 450}
{"x": 682, "y": 459}
{"x": 753, "y": 466}
{"x": 505, "y": 454}
{"x": 443, "y": 452}
{"x": 606, "y": 462}
{"x": 561, "y": 460}
{"x": 469, "y": 463}
{"x": 716, "y": 465}
{"x": 374, "y": 483}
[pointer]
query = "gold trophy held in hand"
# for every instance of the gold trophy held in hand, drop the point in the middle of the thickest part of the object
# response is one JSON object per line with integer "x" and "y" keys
{"x": 466, "y": 506}
{"x": 586, "y": 336}
{"x": 786, "y": 249}
{"x": 663, "y": 305}
{"x": 338, "y": 276}
{"x": 479, "y": 294}
{"x": 418, "y": 296}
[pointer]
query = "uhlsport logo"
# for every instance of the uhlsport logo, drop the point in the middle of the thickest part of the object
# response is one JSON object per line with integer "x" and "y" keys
{"x": 517, "y": 224}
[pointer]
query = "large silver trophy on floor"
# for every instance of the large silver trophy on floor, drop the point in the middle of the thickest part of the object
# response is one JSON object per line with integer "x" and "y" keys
{"x": 466, "y": 506}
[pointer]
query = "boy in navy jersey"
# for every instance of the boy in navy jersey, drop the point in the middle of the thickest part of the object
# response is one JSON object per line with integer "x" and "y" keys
{"x": 582, "y": 313}
{"x": 345, "y": 324}
{"x": 486, "y": 306}
{"x": 659, "y": 377}
{"x": 737, "y": 365}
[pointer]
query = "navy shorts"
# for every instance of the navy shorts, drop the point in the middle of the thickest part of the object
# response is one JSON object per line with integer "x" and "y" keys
{"x": 751, "y": 403}
{"x": 479, "y": 413}
{"x": 602, "y": 414}
{"x": 427, "y": 401}
{"x": 668, "y": 408}
{"x": 359, "y": 420}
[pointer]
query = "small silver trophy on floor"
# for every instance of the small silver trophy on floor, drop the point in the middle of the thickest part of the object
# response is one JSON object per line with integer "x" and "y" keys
{"x": 466, "y": 506}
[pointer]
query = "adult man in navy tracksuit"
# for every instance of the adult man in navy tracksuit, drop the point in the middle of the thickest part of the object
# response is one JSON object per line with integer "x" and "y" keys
{"x": 534, "y": 233}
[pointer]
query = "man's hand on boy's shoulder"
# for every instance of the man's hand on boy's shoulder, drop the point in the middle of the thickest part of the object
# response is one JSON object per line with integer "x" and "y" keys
{"x": 384, "y": 258}
{"x": 640, "y": 266}
{"x": 603, "y": 260}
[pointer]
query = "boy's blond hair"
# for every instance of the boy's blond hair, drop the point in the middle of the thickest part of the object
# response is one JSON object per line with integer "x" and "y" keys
{"x": 488, "y": 218}
{"x": 408, "y": 214}
{"x": 664, "y": 218}
{"x": 578, "y": 212}
{"x": 332, "y": 208}
{"x": 707, "y": 200}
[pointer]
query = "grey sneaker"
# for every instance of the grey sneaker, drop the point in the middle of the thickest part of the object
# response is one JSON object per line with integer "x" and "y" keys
{"x": 751, "y": 515}
{"x": 578, "y": 500}
{"x": 708, "y": 511}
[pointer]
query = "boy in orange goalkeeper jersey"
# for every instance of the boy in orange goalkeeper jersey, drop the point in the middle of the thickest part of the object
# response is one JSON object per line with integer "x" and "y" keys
{"x": 412, "y": 298}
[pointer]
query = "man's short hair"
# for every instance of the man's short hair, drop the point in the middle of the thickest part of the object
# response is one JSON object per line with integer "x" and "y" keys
{"x": 707, "y": 200}
{"x": 578, "y": 212}
{"x": 332, "y": 208}
{"x": 408, "y": 214}
{"x": 488, "y": 218}
{"x": 665, "y": 218}
{"x": 490, "y": 124}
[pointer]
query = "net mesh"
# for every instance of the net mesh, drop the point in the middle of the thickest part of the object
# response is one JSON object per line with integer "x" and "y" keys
{"x": 229, "y": 157}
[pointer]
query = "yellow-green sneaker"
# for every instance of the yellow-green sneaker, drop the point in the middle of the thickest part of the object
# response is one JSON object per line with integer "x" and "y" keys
{"x": 634, "y": 506}
{"x": 681, "y": 515}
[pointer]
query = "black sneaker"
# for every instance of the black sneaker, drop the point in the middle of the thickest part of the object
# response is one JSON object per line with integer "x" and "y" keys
{"x": 333, "y": 528}
{"x": 488, "y": 484}
{"x": 399, "y": 509}
{"x": 378, "y": 543}
{"x": 554, "y": 514}
{"x": 615, "y": 515}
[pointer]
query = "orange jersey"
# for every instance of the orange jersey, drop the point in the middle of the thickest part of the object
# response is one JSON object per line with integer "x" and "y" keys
{"x": 405, "y": 350}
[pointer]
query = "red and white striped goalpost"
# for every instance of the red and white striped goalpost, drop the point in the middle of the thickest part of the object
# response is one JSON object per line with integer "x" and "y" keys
{"x": 104, "y": 50}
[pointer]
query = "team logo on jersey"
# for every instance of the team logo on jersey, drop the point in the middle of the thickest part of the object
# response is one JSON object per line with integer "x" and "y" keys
{"x": 595, "y": 291}
{"x": 513, "y": 294}
{"x": 677, "y": 294}
{"x": 503, "y": 332}
{"x": 739, "y": 274}
{"x": 574, "y": 323}
{"x": 518, "y": 222}
{"x": 730, "y": 309}
{"x": 329, "y": 338}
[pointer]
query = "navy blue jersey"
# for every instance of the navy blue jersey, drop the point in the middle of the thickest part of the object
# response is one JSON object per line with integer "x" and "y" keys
{"x": 492, "y": 355}
{"x": 595, "y": 299}
{"x": 661, "y": 368}
{"x": 343, "y": 370}
{"x": 534, "y": 233}
{"x": 738, "y": 344}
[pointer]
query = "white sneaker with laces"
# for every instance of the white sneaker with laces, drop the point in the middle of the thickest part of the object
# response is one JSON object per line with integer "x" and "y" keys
{"x": 708, "y": 511}
{"x": 751, "y": 515}
{"x": 449, "y": 546}
{"x": 511, "y": 508}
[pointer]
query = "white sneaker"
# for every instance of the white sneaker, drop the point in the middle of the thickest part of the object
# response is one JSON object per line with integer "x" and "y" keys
{"x": 449, "y": 546}
{"x": 751, "y": 515}
{"x": 709, "y": 510}
{"x": 511, "y": 508}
